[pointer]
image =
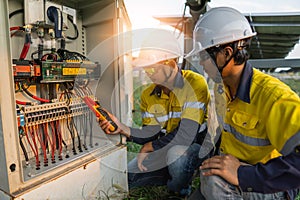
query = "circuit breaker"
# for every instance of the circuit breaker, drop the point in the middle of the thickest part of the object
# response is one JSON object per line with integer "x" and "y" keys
{"x": 51, "y": 145}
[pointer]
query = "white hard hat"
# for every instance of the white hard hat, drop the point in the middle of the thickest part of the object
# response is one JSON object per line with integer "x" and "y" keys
{"x": 220, "y": 25}
{"x": 158, "y": 45}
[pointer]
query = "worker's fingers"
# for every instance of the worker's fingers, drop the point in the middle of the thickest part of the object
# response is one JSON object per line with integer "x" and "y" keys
{"x": 225, "y": 166}
{"x": 104, "y": 124}
{"x": 142, "y": 168}
{"x": 140, "y": 158}
{"x": 210, "y": 172}
{"x": 215, "y": 165}
{"x": 211, "y": 162}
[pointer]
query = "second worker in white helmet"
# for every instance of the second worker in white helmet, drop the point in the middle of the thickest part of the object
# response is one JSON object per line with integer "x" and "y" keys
{"x": 259, "y": 154}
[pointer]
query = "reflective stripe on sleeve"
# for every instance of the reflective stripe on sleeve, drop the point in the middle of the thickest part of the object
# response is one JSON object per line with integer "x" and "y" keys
{"x": 198, "y": 105}
{"x": 290, "y": 144}
{"x": 159, "y": 119}
{"x": 163, "y": 118}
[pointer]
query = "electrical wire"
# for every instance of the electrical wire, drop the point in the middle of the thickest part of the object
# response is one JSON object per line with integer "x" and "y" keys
{"x": 19, "y": 89}
{"x": 70, "y": 128}
{"x": 42, "y": 143}
{"x": 33, "y": 146}
{"x": 180, "y": 21}
{"x": 78, "y": 136}
{"x": 38, "y": 52}
{"x": 52, "y": 57}
{"x": 26, "y": 46}
{"x": 85, "y": 118}
{"x": 75, "y": 28}
{"x": 21, "y": 135}
{"x": 59, "y": 134}
{"x": 52, "y": 141}
{"x": 91, "y": 128}
{"x": 33, "y": 96}
{"x": 70, "y": 55}
{"x": 16, "y": 12}
{"x": 16, "y": 29}
{"x": 23, "y": 103}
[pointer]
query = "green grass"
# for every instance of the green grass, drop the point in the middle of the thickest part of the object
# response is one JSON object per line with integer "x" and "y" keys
{"x": 151, "y": 192}
{"x": 294, "y": 84}
{"x": 148, "y": 193}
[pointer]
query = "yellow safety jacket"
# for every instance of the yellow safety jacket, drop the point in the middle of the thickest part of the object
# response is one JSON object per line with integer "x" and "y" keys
{"x": 263, "y": 121}
{"x": 188, "y": 99}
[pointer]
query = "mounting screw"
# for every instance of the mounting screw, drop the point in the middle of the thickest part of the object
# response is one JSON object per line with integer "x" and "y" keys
{"x": 12, "y": 167}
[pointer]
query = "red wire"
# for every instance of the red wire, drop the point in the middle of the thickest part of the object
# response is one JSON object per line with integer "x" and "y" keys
{"x": 43, "y": 145}
{"x": 53, "y": 139}
{"x": 45, "y": 126}
{"x": 31, "y": 146}
{"x": 23, "y": 102}
{"x": 24, "y": 51}
{"x": 15, "y": 28}
{"x": 32, "y": 132}
{"x": 52, "y": 142}
{"x": 47, "y": 134}
{"x": 35, "y": 97}
{"x": 40, "y": 99}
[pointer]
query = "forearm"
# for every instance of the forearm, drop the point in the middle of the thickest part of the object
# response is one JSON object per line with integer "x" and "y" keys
{"x": 144, "y": 135}
{"x": 279, "y": 174}
{"x": 184, "y": 135}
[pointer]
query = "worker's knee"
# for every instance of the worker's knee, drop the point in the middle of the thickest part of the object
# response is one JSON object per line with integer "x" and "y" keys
{"x": 215, "y": 187}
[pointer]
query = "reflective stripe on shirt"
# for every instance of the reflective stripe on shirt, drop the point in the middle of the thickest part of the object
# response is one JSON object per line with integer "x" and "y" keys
{"x": 164, "y": 118}
{"x": 246, "y": 139}
{"x": 147, "y": 115}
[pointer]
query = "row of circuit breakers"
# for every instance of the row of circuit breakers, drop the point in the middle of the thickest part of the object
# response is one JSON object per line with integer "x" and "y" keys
{"x": 54, "y": 100}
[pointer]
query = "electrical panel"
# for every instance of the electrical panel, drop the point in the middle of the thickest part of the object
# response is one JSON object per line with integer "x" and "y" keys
{"x": 49, "y": 75}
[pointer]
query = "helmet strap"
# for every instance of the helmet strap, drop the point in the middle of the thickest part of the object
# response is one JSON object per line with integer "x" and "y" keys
{"x": 168, "y": 76}
{"x": 172, "y": 64}
{"x": 220, "y": 69}
{"x": 219, "y": 49}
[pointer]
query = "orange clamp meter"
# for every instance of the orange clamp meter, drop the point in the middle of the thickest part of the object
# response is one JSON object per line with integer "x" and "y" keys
{"x": 100, "y": 113}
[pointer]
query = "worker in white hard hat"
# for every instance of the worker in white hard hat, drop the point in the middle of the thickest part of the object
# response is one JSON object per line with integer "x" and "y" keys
{"x": 259, "y": 154}
{"x": 174, "y": 112}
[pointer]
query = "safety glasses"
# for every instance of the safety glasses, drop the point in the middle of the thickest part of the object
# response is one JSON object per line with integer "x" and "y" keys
{"x": 151, "y": 70}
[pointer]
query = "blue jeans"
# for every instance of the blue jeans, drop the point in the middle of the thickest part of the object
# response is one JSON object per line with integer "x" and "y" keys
{"x": 215, "y": 188}
{"x": 174, "y": 167}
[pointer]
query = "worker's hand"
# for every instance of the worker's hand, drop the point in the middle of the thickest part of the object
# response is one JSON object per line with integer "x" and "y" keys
{"x": 146, "y": 148}
{"x": 122, "y": 129}
{"x": 105, "y": 124}
{"x": 225, "y": 166}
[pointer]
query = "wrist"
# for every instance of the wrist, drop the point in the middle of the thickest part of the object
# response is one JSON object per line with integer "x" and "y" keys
{"x": 125, "y": 131}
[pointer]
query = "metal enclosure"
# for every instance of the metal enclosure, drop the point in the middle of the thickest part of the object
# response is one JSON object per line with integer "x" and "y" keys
{"x": 97, "y": 169}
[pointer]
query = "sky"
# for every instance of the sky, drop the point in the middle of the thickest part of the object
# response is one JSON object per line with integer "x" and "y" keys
{"x": 141, "y": 11}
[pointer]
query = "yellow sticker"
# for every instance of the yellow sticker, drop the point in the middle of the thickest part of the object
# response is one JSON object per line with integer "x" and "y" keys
{"x": 74, "y": 71}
